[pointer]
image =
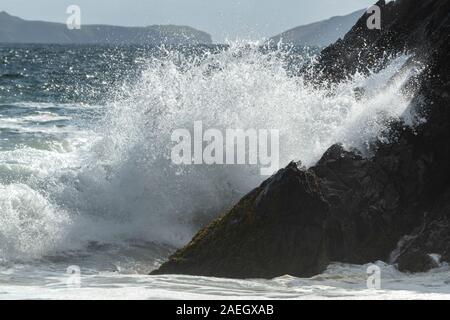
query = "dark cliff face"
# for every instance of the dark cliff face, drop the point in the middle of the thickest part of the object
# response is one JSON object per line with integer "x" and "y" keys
{"x": 406, "y": 25}
{"x": 347, "y": 208}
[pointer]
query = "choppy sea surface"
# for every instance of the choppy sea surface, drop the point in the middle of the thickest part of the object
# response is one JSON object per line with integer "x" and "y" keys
{"x": 86, "y": 180}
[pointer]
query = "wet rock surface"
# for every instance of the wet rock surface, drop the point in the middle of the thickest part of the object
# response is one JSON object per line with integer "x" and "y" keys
{"x": 275, "y": 229}
{"x": 429, "y": 244}
{"x": 347, "y": 208}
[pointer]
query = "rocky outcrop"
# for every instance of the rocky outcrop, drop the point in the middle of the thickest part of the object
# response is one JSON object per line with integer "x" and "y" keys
{"x": 275, "y": 229}
{"x": 406, "y": 25}
{"x": 429, "y": 244}
{"x": 347, "y": 208}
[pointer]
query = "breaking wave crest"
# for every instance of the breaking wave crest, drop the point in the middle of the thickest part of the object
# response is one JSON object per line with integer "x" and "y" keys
{"x": 116, "y": 182}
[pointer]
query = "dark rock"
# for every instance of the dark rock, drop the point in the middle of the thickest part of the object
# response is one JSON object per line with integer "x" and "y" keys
{"x": 347, "y": 208}
{"x": 414, "y": 251}
{"x": 416, "y": 261}
{"x": 406, "y": 25}
{"x": 276, "y": 229}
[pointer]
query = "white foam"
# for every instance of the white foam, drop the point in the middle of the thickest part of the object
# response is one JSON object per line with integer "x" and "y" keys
{"x": 118, "y": 182}
{"x": 340, "y": 281}
{"x": 237, "y": 88}
{"x": 30, "y": 226}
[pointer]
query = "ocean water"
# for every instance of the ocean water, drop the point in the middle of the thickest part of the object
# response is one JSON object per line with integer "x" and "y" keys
{"x": 87, "y": 184}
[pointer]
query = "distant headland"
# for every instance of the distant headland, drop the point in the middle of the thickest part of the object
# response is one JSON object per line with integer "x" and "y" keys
{"x": 16, "y": 30}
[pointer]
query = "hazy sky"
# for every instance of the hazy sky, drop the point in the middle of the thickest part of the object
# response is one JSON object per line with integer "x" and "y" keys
{"x": 248, "y": 19}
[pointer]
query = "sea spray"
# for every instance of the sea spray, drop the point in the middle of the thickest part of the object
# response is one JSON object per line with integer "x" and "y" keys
{"x": 118, "y": 183}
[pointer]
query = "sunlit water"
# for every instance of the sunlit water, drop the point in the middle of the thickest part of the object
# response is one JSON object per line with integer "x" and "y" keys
{"x": 86, "y": 177}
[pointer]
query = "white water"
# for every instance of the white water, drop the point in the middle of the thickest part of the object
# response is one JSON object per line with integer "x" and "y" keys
{"x": 79, "y": 189}
{"x": 340, "y": 281}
